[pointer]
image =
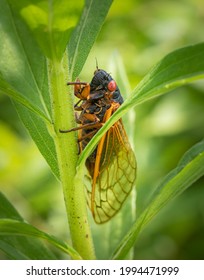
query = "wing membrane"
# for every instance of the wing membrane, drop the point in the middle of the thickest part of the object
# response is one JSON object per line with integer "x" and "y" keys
{"x": 116, "y": 175}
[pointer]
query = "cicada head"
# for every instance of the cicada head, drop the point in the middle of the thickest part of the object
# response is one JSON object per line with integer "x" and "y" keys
{"x": 104, "y": 82}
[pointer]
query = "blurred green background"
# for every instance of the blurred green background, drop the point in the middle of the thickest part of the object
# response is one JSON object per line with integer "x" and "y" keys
{"x": 136, "y": 34}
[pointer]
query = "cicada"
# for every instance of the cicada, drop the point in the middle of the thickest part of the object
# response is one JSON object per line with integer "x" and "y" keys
{"x": 112, "y": 165}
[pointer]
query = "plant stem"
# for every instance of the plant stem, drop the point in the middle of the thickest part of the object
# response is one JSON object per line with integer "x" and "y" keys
{"x": 66, "y": 148}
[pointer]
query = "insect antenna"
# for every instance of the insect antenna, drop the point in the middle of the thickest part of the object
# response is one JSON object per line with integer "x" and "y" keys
{"x": 96, "y": 63}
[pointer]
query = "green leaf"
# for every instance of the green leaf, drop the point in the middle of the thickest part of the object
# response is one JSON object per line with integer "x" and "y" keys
{"x": 23, "y": 100}
{"x": 24, "y": 78}
{"x": 51, "y": 22}
{"x": 41, "y": 135}
{"x": 7, "y": 210}
{"x": 14, "y": 227}
{"x": 19, "y": 247}
{"x": 84, "y": 35}
{"x": 18, "y": 239}
{"x": 188, "y": 171}
{"x": 174, "y": 70}
{"x": 22, "y": 65}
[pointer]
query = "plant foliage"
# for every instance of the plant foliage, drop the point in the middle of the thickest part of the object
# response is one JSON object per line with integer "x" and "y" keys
{"x": 43, "y": 44}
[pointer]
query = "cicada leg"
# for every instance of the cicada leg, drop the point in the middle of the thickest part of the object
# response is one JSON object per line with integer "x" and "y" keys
{"x": 81, "y": 89}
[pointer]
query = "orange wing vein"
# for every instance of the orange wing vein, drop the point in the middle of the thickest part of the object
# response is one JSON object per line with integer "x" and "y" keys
{"x": 114, "y": 173}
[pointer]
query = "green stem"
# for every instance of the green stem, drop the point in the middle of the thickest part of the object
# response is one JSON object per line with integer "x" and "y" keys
{"x": 66, "y": 147}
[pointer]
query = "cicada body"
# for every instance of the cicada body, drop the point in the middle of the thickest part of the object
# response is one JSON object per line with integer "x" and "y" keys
{"x": 112, "y": 165}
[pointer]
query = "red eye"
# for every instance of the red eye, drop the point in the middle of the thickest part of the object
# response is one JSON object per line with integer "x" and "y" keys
{"x": 112, "y": 86}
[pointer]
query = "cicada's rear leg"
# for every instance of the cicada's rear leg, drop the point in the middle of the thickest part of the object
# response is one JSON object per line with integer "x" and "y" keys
{"x": 86, "y": 121}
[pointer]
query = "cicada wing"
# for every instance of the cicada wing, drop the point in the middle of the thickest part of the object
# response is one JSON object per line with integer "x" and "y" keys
{"x": 116, "y": 176}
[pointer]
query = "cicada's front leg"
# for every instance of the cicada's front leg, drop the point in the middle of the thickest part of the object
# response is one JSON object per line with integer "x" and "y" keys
{"x": 81, "y": 89}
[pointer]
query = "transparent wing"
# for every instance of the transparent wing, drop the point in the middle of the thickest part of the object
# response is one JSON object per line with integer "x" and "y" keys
{"x": 116, "y": 175}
